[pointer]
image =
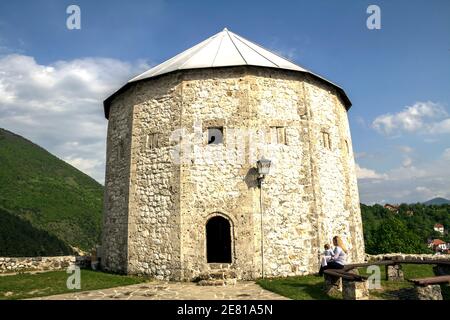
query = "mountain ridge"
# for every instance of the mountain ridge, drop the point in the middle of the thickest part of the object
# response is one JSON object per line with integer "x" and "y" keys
{"x": 55, "y": 198}
{"x": 436, "y": 201}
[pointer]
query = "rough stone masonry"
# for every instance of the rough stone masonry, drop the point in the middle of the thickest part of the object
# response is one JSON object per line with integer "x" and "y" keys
{"x": 157, "y": 207}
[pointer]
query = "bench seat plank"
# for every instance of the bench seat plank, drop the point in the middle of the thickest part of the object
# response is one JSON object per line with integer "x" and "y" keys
{"x": 345, "y": 275}
{"x": 394, "y": 262}
{"x": 431, "y": 280}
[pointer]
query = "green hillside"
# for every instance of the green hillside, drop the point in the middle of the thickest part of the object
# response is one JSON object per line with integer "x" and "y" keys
{"x": 50, "y": 199}
{"x": 405, "y": 231}
{"x": 19, "y": 238}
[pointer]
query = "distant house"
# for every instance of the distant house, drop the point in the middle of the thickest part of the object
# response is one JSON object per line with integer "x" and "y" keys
{"x": 439, "y": 228}
{"x": 438, "y": 245}
{"x": 391, "y": 207}
{"x": 409, "y": 213}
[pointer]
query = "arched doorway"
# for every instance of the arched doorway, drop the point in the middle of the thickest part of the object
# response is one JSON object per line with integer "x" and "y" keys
{"x": 218, "y": 240}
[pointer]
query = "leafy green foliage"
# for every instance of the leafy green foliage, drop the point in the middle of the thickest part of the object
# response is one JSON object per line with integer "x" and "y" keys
{"x": 19, "y": 238}
{"x": 406, "y": 231}
{"x": 392, "y": 235}
{"x": 49, "y": 194}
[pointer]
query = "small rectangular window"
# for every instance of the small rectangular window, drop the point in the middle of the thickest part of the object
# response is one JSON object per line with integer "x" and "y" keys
{"x": 121, "y": 150}
{"x": 278, "y": 135}
{"x": 215, "y": 135}
{"x": 326, "y": 141}
{"x": 347, "y": 149}
{"x": 152, "y": 141}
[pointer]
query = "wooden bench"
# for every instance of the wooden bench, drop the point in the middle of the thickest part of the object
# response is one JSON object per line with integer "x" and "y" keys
{"x": 352, "y": 285}
{"x": 394, "y": 262}
{"x": 341, "y": 273}
{"x": 355, "y": 286}
{"x": 431, "y": 280}
{"x": 367, "y": 264}
{"x": 394, "y": 270}
{"x": 429, "y": 288}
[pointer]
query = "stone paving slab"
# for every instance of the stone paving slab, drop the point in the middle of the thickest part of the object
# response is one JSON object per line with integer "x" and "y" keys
{"x": 159, "y": 290}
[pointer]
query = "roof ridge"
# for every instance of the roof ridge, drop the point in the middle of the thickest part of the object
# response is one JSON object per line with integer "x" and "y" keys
{"x": 168, "y": 63}
{"x": 217, "y": 52}
{"x": 207, "y": 41}
{"x": 229, "y": 36}
{"x": 238, "y": 37}
{"x": 272, "y": 52}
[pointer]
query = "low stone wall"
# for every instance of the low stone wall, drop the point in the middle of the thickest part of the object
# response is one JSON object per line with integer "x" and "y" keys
{"x": 402, "y": 256}
{"x": 396, "y": 273}
{"x": 12, "y": 265}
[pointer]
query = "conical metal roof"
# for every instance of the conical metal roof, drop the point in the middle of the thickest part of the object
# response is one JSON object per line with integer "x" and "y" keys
{"x": 224, "y": 49}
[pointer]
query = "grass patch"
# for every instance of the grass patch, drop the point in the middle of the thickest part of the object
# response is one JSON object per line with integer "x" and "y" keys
{"x": 394, "y": 290}
{"x": 298, "y": 288}
{"x": 311, "y": 287}
{"x": 23, "y": 286}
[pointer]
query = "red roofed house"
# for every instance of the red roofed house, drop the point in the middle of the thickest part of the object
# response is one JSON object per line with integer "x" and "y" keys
{"x": 391, "y": 207}
{"x": 438, "y": 245}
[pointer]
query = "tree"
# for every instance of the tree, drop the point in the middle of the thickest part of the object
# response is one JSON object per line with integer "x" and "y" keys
{"x": 392, "y": 235}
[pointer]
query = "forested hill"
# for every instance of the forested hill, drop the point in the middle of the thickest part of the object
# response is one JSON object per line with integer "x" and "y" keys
{"x": 406, "y": 230}
{"x": 46, "y": 205}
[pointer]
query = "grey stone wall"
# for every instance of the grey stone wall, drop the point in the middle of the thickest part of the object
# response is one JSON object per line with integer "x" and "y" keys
{"x": 334, "y": 175}
{"x": 156, "y": 209}
{"x": 403, "y": 256}
{"x": 117, "y": 186}
{"x": 13, "y": 265}
{"x": 154, "y": 214}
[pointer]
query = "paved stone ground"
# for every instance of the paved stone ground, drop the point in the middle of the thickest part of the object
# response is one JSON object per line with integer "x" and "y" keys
{"x": 158, "y": 290}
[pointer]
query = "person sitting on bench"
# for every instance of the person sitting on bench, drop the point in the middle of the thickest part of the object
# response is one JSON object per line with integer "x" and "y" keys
{"x": 326, "y": 255}
{"x": 339, "y": 257}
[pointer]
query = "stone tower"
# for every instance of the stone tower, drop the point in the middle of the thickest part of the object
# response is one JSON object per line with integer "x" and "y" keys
{"x": 182, "y": 190}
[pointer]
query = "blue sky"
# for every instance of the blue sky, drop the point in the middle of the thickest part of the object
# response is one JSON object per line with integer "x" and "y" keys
{"x": 398, "y": 77}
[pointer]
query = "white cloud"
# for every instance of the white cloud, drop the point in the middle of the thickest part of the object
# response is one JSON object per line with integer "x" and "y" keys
{"x": 422, "y": 117}
{"x": 360, "y": 120}
{"x": 405, "y": 149}
{"x": 407, "y": 162}
{"x": 441, "y": 127}
{"x": 59, "y": 106}
{"x": 446, "y": 155}
{"x": 364, "y": 173}
{"x": 407, "y": 183}
{"x": 360, "y": 155}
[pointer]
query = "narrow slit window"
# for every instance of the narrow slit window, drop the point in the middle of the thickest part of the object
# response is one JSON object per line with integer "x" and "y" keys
{"x": 121, "y": 150}
{"x": 215, "y": 135}
{"x": 326, "y": 141}
{"x": 278, "y": 135}
{"x": 152, "y": 141}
